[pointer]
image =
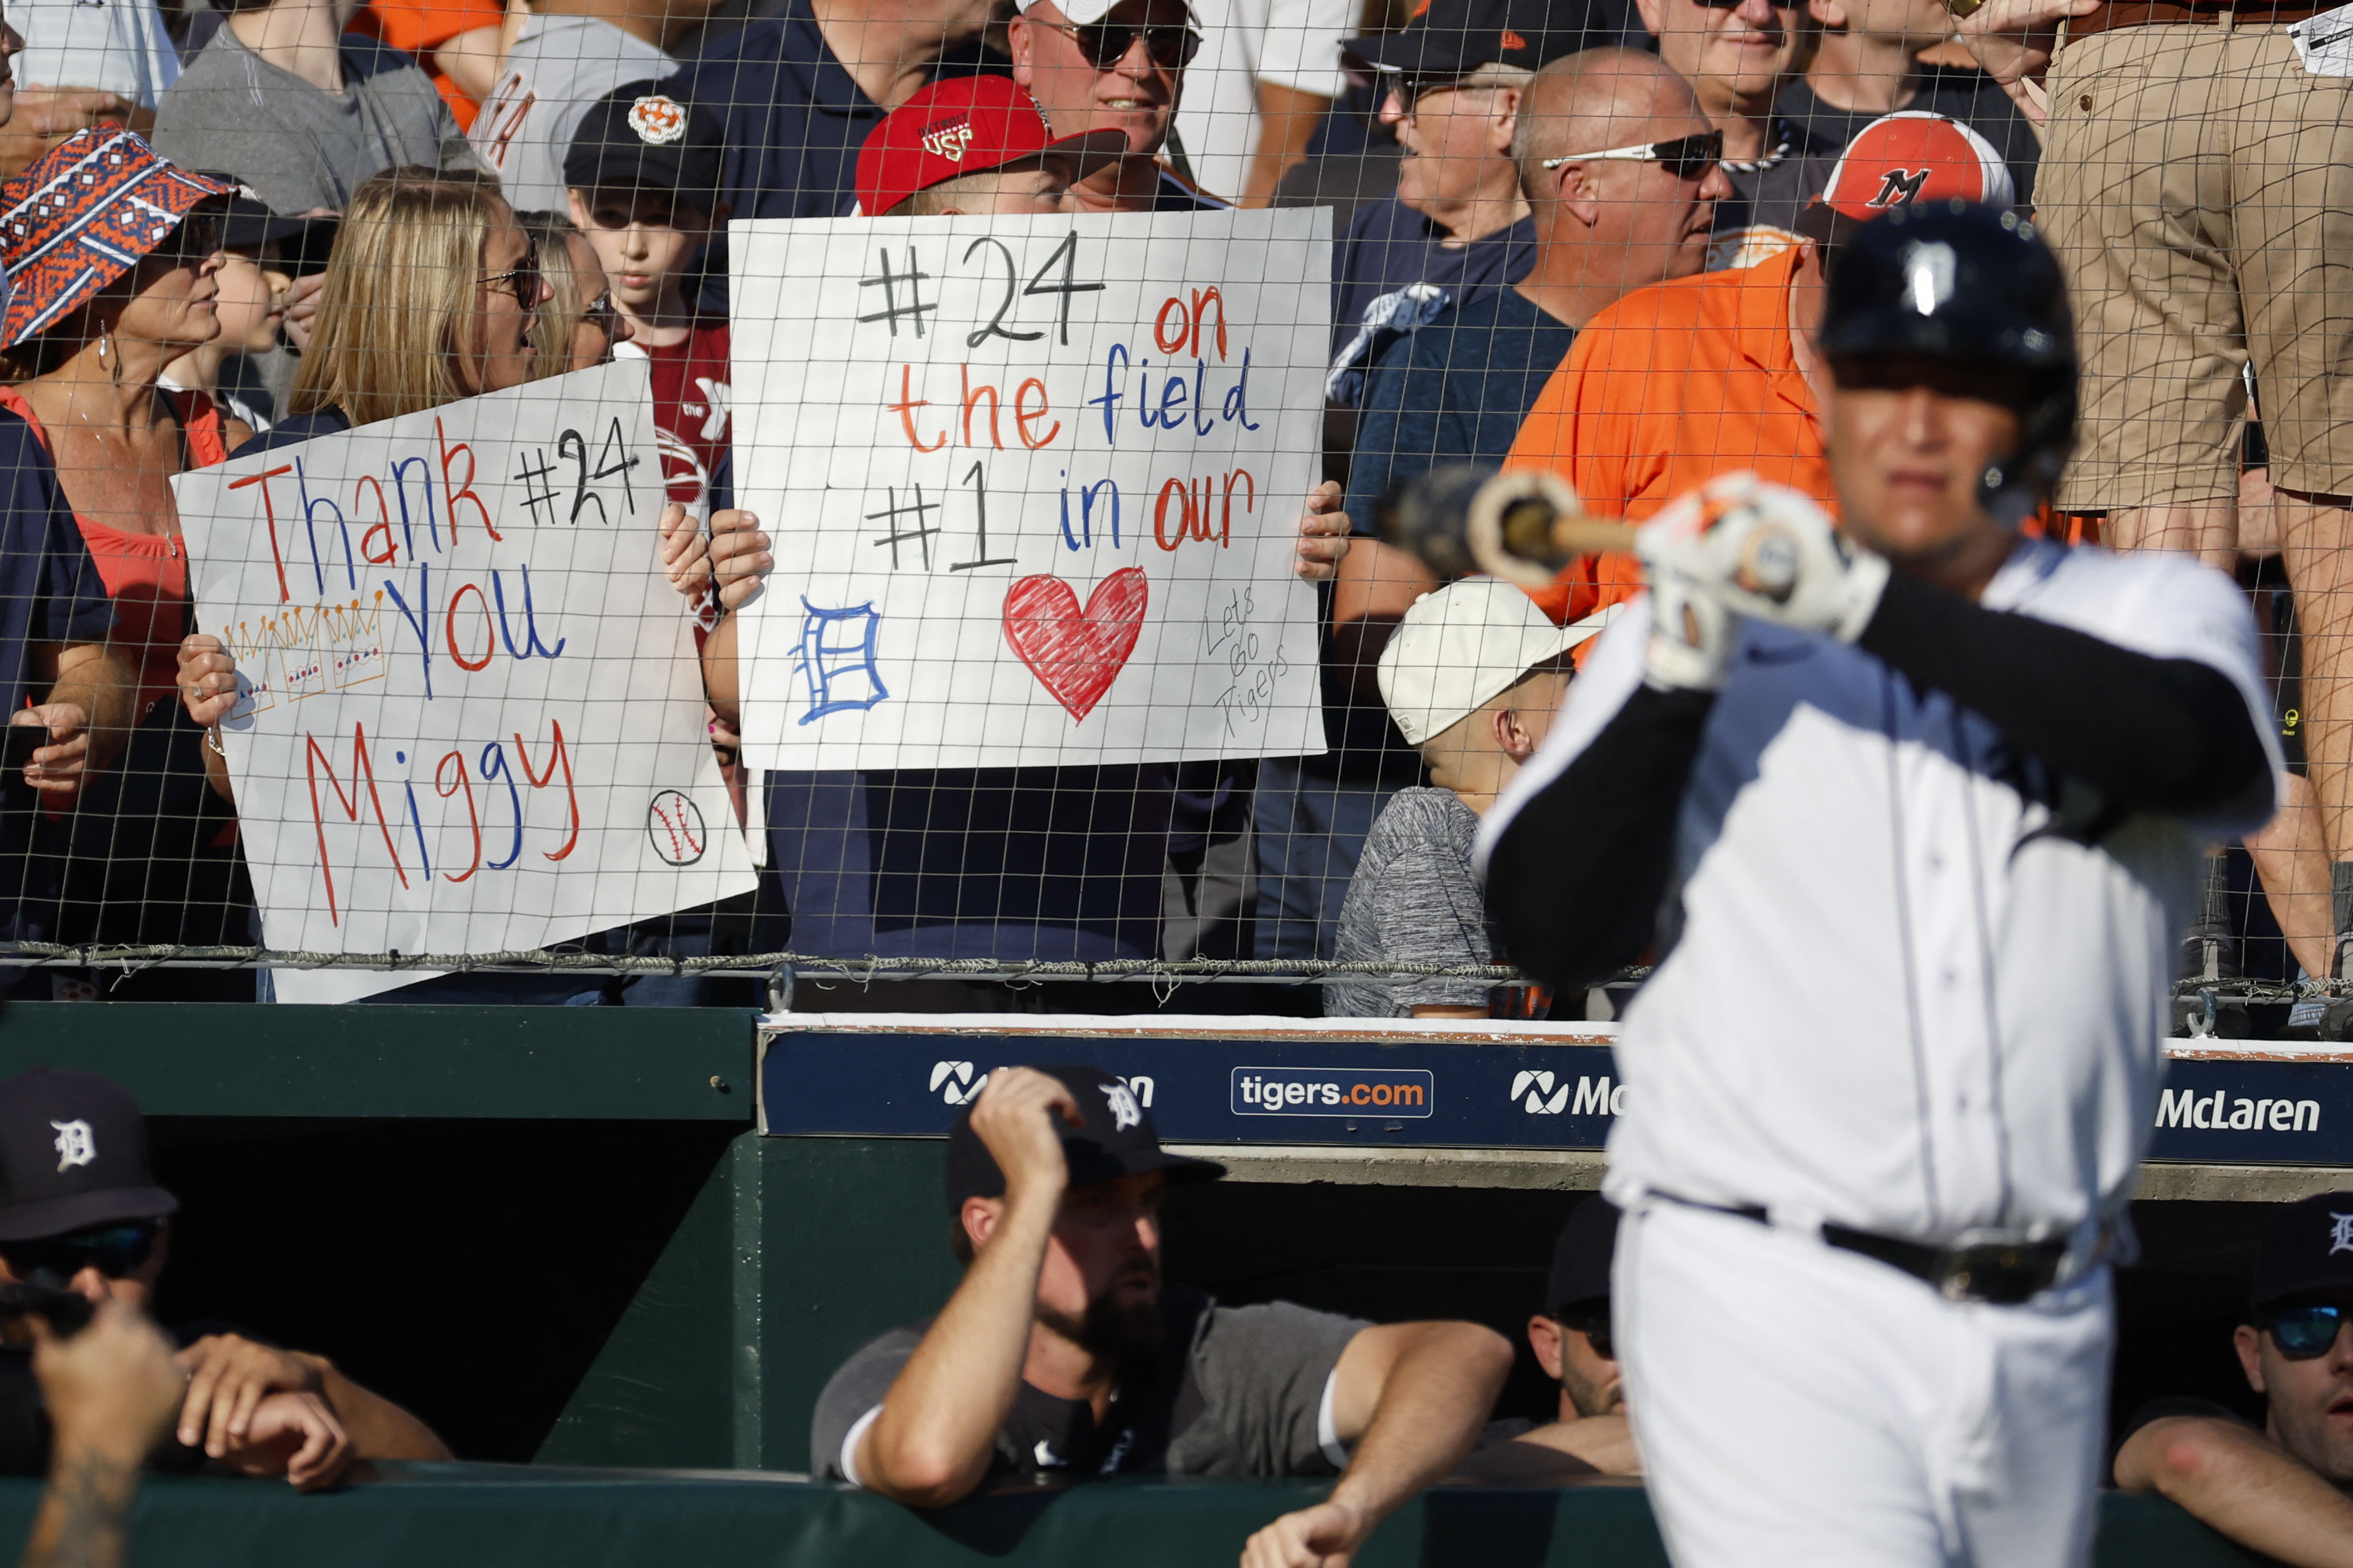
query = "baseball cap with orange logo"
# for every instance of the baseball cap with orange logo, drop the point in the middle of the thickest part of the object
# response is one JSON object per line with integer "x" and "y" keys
{"x": 966, "y": 125}
{"x": 1902, "y": 159}
{"x": 642, "y": 136}
{"x": 1454, "y": 37}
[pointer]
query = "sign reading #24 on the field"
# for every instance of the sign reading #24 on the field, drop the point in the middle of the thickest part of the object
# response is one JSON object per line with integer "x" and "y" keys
{"x": 1034, "y": 484}
{"x": 472, "y": 717}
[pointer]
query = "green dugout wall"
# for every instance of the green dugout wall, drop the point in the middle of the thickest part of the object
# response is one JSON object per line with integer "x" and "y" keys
{"x": 558, "y": 1234}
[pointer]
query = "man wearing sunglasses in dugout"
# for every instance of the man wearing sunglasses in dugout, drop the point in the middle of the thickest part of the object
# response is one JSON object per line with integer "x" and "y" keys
{"x": 79, "y": 1211}
{"x": 1591, "y": 1434}
{"x": 1092, "y": 66}
{"x": 2282, "y": 1490}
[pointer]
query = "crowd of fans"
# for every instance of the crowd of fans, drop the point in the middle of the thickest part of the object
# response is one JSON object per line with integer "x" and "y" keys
{"x": 1572, "y": 236}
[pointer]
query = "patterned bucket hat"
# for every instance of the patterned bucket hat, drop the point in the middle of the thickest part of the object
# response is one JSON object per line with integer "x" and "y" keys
{"x": 82, "y": 217}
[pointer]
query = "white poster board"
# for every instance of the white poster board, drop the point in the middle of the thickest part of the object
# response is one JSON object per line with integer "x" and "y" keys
{"x": 1034, "y": 484}
{"x": 472, "y": 715}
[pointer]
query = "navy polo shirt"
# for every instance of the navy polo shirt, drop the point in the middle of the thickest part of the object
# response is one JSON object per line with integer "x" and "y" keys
{"x": 49, "y": 593}
{"x": 795, "y": 118}
{"x": 1452, "y": 391}
{"x": 1389, "y": 248}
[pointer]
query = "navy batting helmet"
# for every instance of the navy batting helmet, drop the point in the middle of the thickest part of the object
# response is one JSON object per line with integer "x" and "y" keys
{"x": 1952, "y": 280}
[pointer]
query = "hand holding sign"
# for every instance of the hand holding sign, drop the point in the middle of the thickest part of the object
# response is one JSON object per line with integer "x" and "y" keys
{"x": 1028, "y": 472}
{"x": 467, "y": 715}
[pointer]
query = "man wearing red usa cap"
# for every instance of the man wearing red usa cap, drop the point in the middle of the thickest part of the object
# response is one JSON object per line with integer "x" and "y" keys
{"x": 1682, "y": 380}
{"x": 974, "y": 144}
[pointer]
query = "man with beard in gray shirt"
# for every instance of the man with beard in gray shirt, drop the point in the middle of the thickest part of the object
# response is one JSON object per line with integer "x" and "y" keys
{"x": 1061, "y": 1356}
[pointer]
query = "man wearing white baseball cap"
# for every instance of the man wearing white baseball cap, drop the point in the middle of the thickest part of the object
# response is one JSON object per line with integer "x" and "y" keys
{"x": 1471, "y": 676}
{"x": 1095, "y": 65}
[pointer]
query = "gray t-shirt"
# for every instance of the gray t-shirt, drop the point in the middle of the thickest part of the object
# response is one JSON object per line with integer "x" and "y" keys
{"x": 1235, "y": 1390}
{"x": 299, "y": 148}
{"x": 1413, "y": 900}
{"x": 558, "y": 67}
{"x": 118, "y": 45}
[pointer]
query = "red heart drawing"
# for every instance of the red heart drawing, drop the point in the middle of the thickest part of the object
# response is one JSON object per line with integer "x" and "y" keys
{"x": 1075, "y": 653}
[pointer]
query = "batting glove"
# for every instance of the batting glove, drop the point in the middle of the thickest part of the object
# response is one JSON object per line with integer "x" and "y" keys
{"x": 1767, "y": 552}
{"x": 1692, "y": 635}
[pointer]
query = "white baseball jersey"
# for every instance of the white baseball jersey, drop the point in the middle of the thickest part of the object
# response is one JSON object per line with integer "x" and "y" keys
{"x": 1907, "y": 995}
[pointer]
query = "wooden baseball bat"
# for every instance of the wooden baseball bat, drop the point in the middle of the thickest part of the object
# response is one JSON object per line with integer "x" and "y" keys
{"x": 1524, "y": 526}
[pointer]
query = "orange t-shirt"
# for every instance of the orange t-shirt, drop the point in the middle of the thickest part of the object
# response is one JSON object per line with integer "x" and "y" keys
{"x": 420, "y": 27}
{"x": 1666, "y": 389}
{"x": 146, "y": 574}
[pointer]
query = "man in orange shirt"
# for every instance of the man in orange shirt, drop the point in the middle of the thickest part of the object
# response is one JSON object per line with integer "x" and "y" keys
{"x": 1685, "y": 380}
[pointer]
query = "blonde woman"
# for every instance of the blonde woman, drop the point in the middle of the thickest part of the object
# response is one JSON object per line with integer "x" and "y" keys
{"x": 429, "y": 297}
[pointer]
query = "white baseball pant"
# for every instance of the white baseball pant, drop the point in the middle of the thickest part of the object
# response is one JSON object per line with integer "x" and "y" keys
{"x": 1806, "y": 1406}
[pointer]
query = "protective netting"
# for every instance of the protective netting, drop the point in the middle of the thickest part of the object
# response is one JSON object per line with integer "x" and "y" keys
{"x": 827, "y": 488}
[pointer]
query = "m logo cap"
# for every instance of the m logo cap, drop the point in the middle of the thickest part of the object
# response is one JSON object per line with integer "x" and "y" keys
{"x": 1913, "y": 156}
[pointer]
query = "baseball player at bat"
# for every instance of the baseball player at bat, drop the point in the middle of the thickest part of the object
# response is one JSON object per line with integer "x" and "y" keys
{"x": 1912, "y": 813}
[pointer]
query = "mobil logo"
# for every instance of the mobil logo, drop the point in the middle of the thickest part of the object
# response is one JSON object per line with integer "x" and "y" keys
{"x": 1334, "y": 1091}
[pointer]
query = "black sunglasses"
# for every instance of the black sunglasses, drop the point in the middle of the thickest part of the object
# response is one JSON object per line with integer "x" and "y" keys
{"x": 193, "y": 241}
{"x": 602, "y": 314}
{"x": 1685, "y": 157}
{"x": 114, "y": 1250}
{"x": 2305, "y": 1331}
{"x": 522, "y": 279}
{"x": 1171, "y": 46}
{"x": 1595, "y": 1326}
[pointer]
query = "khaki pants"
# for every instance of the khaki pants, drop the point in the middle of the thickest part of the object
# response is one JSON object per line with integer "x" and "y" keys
{"x": 2198, "y": 187}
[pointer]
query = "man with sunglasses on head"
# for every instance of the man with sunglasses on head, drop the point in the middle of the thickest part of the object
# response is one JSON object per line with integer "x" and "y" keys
{"x": 79, "y": 1211}
{"x": 2281, "y": 1491}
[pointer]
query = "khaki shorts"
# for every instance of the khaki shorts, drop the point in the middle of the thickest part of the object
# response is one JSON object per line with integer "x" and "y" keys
{"x": 2198, "y": 187}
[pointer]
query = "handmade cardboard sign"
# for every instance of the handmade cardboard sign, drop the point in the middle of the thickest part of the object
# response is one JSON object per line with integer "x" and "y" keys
{"x": 472, "y": 717}
{"x": 1034, "y": 484}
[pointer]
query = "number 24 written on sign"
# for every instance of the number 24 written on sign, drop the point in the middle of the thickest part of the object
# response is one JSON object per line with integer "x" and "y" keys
{"x": 903, "y": 291}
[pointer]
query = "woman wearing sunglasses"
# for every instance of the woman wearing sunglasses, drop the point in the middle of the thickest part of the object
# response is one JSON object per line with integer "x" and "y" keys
{"x": 578, "y": 326}
{"x": 114, "y": 279}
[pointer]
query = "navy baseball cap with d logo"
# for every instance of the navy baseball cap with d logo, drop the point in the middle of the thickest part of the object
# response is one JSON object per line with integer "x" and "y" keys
{"x": 2307, "y": 1251}
{"x": 73, "y": 1154}
{"x": 1115, "y": 1138}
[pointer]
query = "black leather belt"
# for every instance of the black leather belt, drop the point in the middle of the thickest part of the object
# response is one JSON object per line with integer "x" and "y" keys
{"x": 1999, "y": 1272}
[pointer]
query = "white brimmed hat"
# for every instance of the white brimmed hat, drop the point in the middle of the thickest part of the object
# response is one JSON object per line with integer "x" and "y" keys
{"x": 1460, "y": 647}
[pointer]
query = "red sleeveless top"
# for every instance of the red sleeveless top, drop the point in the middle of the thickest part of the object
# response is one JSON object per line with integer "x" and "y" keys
{"x": 146, "y": 574}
